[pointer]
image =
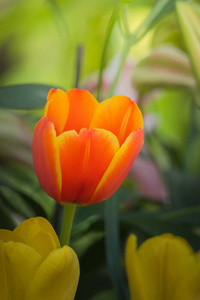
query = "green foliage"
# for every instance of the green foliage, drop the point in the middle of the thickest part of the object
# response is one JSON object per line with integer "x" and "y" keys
{"x": 39, "y": 53}
{"x": 24, "y": 96}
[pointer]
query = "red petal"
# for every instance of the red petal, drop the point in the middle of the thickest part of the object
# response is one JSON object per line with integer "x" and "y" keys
{"x": 84, "y": 159}
{"x": 119, "y": 167}
{"x": 46, "y": 158}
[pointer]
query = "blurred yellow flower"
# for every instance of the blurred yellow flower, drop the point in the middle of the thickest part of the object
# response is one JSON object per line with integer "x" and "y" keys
{"x": 34, "y": 266}
{"x": 164, "y": 267}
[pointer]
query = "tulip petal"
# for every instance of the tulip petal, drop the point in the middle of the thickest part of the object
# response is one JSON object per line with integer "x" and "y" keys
{"x": 4, "y": 284}
{"x": 7, "y": 235}
{"x": 119, "y": 167}
{"x": 81, "y": 110}
{"x": 56, "y": 278}
{"x": 19, "y": 264}
{"x": 119, "y": 115}
{"x": 189, "y": 287}
{"x": 84, "y": 159}
{"x": 39, "y": 234}
{"x": 46, "y": 158}
{"x": 57, "y": 109}
{"x": 159, "y": 264}
{"x": 133, "y": 279}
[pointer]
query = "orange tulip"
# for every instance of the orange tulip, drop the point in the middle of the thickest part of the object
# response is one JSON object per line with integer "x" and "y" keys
{"x": 82, "y": 149}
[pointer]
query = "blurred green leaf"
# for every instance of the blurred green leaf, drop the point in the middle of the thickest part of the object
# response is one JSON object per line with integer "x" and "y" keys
{"x": 24, "y": 96}
{"x": 168, "y": 33}
{"x": 160, "y": 9}
{"x": 16, "y": 202}
{"x": 15, "y": 137}
{"x": 153, "y": 224}
{"x": 6, "y": 220}
{"x": 189, "y": 20}
{"x": 112, "y": 245}
{"x": 166, "y": 66}
{"x": 172, "y": 125}
{"x": 91, "y": 285}
{"x": 184, "y": 188}
{"x": 23, "y": 181}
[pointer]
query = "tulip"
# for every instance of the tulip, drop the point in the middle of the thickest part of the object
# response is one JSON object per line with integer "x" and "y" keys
{"x": 164, "y": 267}
{"x": 34, "y": 266}
{"x": 82, "y": 149}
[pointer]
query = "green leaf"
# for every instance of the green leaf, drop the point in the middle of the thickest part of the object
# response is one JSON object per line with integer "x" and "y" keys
{"x": 112, "y": 247}
{"x": 152, "y": 224}
{"x": 159, "y": 10}
{"x": 23, "y": 181}
{"x": 189, "y": 21}
{"x": 165, "y": 66}
{"x": 6, "y": 221}
{"x": 16, "y": 202}
{"x": 24, "y": 96}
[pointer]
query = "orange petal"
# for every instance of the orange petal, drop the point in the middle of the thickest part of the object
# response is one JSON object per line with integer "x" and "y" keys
{"x": 57, "y": 109}
{"x": 120, "y": 115}
{"x": 119, "y": 167}
{"x": 84, "y": 159}
{"x": 50, "y": 93}
{"x": 46, "y": 158}
{"x": 81, "y": 110}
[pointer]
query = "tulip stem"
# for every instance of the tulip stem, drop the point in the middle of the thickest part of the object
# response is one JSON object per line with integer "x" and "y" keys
{"x": 69, "y": 211}
{"x": 80, "y": 53}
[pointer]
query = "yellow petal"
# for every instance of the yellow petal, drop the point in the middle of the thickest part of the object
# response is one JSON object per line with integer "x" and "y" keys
{"x": 189, "y": 287}
{"x": 7, "y": 235}
{"x": 159, "y": 265}
{"x": 19, "y": 264}
{"x": 39, "y": 234}
{"x": 134, "y": 273}
{"x": 4, "y": 284}
{"x": 56, "y": 278}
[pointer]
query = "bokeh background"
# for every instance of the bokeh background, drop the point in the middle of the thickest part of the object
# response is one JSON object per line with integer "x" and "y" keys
{"x": 38, "y": 45}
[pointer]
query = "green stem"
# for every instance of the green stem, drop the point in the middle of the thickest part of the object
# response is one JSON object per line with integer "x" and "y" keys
{"x": 69, "y": 211}
{"x": 160, "y": 9}
{"x": 59, "y": 17}
{"x": 112, "y": 247}
{"x": 125, "y": 52}
{"x": 79, "y": 60}
{"x": 105, "y": 46}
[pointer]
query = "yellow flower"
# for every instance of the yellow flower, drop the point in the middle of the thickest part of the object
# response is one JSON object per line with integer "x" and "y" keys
{"x": 34, "y": 266}
{"x": 163, "y": 268}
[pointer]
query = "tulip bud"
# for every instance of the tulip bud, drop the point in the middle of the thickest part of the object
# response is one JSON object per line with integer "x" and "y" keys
{"x": 163, "y": 267}
{"x": 34, "y": 266}
{"x": 82, "y": 149}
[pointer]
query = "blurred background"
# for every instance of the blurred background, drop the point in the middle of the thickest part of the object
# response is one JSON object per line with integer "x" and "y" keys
{"x": 151, "y": 57}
